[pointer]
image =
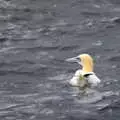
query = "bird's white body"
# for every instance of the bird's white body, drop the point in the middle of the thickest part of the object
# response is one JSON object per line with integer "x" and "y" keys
{"x": 91, "y": 80}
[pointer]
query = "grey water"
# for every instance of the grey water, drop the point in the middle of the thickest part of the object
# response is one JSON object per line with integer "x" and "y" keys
{"x": 36, "y": 36}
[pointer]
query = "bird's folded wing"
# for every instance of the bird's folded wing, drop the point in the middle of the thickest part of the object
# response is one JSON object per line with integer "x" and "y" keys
{"x": 93, "y": 80}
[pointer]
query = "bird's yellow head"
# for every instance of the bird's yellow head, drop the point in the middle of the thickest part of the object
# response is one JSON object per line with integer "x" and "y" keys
{"x": 85, "y": 60}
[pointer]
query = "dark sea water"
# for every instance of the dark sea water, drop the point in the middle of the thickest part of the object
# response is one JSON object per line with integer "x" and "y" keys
{"x": 36, "y": 36}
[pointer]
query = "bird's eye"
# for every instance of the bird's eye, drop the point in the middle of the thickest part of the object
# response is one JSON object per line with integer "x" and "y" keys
{"x": 78, "y": 59}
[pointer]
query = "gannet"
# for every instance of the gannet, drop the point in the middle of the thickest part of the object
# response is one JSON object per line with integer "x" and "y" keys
{"x": 84, "y": 77}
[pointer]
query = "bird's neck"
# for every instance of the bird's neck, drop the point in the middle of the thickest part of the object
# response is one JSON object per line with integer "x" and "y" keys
{"x": 87, "y": 68}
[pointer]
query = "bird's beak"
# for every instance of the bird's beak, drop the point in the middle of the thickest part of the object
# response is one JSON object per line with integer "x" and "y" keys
{"x": 74, "y": 59}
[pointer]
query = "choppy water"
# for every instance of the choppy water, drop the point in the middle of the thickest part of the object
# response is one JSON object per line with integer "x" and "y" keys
{"x": 35, "y": 38}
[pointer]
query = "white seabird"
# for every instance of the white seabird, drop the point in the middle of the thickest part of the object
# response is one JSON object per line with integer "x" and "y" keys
{"x": 84, "y": 77}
